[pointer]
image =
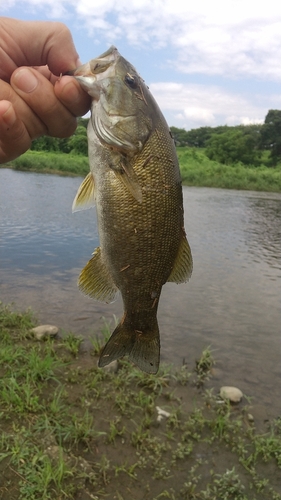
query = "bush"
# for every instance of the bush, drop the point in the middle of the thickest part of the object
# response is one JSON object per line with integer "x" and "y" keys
{"x": 233, "y": 146}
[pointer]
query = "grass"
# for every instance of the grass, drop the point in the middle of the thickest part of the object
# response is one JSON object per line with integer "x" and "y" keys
{"x": 196, "y": 170}
{"x": 51, "y": 163}
{"x": 72, "y": 431}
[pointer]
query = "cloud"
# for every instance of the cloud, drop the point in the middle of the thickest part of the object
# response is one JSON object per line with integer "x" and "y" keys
{"x": 222, "y": 37}
{"x": 192, "y": 106}
{"x": 248, "y": 49}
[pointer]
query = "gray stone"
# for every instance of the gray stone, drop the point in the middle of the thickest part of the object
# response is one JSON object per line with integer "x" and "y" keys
{"x": 44, "y": 331}
{"x": 232, "y": 393}
{"x": 250, "y": 418}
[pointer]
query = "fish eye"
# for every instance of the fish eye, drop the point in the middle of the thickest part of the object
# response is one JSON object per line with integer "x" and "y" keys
{"x": 131, "y": 80}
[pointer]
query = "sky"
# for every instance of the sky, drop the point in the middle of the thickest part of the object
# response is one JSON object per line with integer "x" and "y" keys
{"x": 207, "y": 63}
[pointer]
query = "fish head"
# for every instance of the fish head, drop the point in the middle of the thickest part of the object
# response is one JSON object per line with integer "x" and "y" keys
{"x": 93, "y": 72}
{"x": 121, "y": 115}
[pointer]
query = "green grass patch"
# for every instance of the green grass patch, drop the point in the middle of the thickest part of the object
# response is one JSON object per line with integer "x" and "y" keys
{"x": 70, "y": 430}
{"x": 198, "y": 170}
{"x": 51, "y": 163}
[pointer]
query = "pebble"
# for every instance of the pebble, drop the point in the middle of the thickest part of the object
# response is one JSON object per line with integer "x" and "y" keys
{"x": 232, "y": 393}
{"x": 161, "y": 414}
{"x": 42, "y": 332}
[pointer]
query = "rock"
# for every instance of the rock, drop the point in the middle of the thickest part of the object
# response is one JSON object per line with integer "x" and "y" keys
{"x": 250, "y": 418}
{"x": 161, "y": 414}
{"x": 232, "y": 393}
{"x": 42, "y": 332}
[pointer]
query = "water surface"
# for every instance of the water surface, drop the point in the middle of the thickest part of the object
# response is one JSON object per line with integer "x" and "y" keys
{"x": 231, "y": 303}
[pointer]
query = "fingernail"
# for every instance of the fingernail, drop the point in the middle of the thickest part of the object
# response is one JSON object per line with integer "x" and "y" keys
{"x": 25, "y": 80}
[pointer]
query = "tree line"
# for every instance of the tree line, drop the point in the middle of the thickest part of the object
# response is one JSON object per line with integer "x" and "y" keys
{"x": 244, "y": 143}
{"x": 225, "y": 144}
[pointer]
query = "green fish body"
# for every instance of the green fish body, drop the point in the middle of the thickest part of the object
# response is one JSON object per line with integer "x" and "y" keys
{"x": 135, "y": 182}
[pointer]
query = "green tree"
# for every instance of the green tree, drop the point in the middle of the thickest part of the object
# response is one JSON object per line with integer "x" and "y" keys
{"x": 197, "y": 137}
{"x": 78, "y": 142}
{"x": 65, "y": 144}
{"x": 45, "y": 143}
{"x": 180, "y": 136}
{"x": 233, "y": 146}
{"x": 83, "y": 122}
{"x": 270, "y": 137}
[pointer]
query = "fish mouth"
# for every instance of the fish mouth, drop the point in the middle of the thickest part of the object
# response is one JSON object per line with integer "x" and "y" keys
{"x": 97, "y": 69}
{"x": 96, "y": 66}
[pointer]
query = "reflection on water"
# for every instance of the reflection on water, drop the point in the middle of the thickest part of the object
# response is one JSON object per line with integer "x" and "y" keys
{"x": 232, "y": 301}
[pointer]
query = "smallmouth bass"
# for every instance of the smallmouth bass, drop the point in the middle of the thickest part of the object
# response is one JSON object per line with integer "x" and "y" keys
{"x": 135, "y": 182}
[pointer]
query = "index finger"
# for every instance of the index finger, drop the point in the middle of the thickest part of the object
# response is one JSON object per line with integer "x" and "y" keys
{"x": 54, "y": 46}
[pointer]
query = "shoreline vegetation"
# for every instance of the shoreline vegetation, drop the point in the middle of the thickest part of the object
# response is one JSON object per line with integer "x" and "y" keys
{"x": 196, "y": 169}
{"x": 70, "y": 430}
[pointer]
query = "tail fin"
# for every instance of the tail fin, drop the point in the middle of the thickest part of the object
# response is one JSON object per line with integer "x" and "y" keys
{"x": 143, "y": 348}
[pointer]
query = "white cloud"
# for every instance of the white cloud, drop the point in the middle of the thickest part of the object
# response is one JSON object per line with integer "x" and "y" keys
{"x": 192, "y": 106}
{"x": 225, "y": 37}
{"x": 204, "y": 116}
{"x": 244, "y": 120}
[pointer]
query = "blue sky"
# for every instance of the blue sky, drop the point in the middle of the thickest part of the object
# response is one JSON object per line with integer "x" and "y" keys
{"x": 206, "y": 62}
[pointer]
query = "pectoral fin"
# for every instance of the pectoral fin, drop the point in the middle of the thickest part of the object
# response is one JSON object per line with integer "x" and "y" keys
{"x": 85, "y": 197}
{"x": 129, "y": 178}
{"x": 183, "y": 264}
{"x": 95, "y": 279}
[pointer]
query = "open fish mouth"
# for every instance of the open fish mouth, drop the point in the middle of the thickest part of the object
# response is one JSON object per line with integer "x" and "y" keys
{"x": 98, "y": 66}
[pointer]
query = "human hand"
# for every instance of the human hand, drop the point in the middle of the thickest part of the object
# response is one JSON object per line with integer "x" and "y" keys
{"x": 34, "y": 99}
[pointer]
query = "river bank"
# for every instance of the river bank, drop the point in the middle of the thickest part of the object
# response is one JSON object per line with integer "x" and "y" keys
{"x": 71, "y": 430}
{"x": 196, "y": 170}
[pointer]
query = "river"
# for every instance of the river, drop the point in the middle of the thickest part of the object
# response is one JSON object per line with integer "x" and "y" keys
{"x": 232, "y": 302}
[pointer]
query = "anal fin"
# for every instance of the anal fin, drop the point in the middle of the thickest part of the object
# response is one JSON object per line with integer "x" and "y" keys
{"x": 96, "y": 281}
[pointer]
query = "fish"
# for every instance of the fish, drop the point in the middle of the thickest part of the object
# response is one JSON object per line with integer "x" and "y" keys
{"x": 135, "y": 183}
